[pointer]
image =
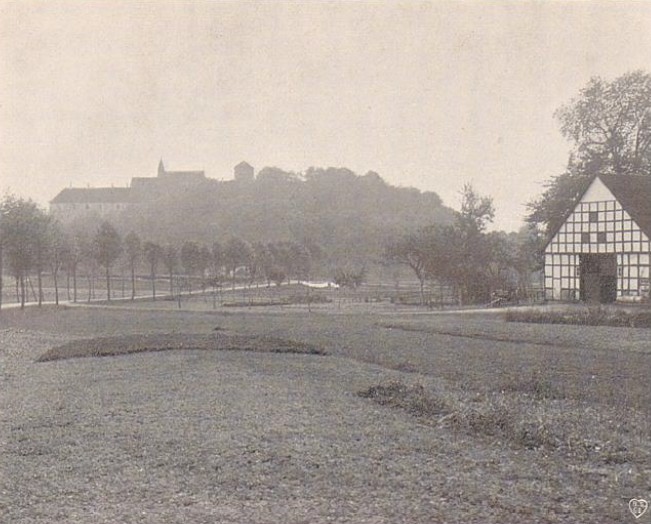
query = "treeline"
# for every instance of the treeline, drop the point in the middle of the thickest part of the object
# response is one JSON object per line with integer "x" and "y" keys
{"x": 459, "y": 253}
{"x": 348, "y": 215}
{"x": 32, "y": 243}
{"x": 454, "y": 251}
{"x": 480, "y": 266}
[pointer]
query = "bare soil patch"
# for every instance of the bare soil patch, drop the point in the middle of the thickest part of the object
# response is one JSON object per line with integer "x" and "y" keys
{"x": 126, "y": 344}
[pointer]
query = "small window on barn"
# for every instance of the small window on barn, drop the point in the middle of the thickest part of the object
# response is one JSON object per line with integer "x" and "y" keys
{"x": 585, "y": 238}
{"x": 593, "y": 216}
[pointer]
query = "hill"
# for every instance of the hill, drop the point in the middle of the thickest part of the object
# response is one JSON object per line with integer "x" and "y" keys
{"x": 348, "y": 215}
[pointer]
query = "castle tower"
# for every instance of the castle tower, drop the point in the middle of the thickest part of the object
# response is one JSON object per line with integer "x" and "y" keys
{"x": 244, "y": 172}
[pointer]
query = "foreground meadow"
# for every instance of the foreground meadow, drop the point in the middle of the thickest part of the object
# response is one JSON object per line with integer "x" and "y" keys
{"x": 383, "y": 418}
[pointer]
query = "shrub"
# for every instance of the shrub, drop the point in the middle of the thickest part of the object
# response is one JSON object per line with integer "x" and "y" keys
{"x": 489, "y": 415}
{"x": 412, "y": 399}
{"x": 591, "y": 316}
{"x": 536, "y": 385}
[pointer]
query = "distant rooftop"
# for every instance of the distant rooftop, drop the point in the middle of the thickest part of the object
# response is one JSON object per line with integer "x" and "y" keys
{"x": 164, "y": 173}
{"x": 92, "y": 195}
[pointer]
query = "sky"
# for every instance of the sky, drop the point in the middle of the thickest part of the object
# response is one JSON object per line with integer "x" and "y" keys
{"x": 430, "y": 95}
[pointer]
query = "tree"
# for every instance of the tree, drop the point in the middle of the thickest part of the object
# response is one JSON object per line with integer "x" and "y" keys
{"x": 237, "y": 253}
{"x": 59, "y": 249}
{"x": 609, "y": 123}
{"x": 609, "y": 126}
{"x": 458, "y": 254}
{"x": 108, "y": 248}
{"x": 80, "y": 255}
{"x": 88, "y": 253}
{"x": 561, "y": 192}
{"x": 265, "y": 260}
{"x": 41, "y": 238}
{"x": 255, "y": 263}
{"x": 304, "y": 257}
{"x": 470, "y": 248}
{"x": 411, "y": 250}
{"x": 349, "y": 276}
{"x": 216, "y": 259}
{"x": 170, "y": 261}
{"x": 190, "y": 259}
{"x": 499, "y": 268}
{"x": 133, "y": 248}
{"x": 24, "y": 235}
{"x": 289, "y": 256}
{"x": 68, "y": 261}
{"x": 203, "y": 263}
{"x": 153, "y": 253}
{"x": 528, "y": 256}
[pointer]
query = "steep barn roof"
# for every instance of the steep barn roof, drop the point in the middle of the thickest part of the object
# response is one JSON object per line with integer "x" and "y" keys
{"x": 634, "y": 194}
{"x": 92, "y": 195}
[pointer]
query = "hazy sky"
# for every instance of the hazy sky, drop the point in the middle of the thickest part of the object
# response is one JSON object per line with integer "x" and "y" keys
{"x": 428, "y": 94}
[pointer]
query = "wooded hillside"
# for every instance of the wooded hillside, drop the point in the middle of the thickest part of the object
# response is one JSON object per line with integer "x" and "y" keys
{"x": 348, "y": 216}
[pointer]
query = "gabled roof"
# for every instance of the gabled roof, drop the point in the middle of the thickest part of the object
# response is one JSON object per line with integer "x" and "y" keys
{"x": 92, "y": 195}
{"x": 244, "y": 164}
{"x": 186, "y": 174}
{"x": 634, "y": 194}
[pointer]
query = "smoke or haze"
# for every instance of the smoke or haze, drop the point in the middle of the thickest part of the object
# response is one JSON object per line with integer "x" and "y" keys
{"x": 428, "y": 94}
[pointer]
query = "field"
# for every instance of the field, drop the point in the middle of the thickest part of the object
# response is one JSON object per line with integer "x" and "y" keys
{"x": 352, "y": 414}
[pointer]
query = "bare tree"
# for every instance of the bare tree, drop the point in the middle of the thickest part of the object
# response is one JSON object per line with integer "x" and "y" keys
{"x": 411, "y": 250}
{"x": 190, "y": 259}
{"x": 58, "y": 253}
{"x": 133, "y": 248}
{"x": 153, "y": 254}
{"x": 170, "y": 261}
{"x": 108, "y": 247}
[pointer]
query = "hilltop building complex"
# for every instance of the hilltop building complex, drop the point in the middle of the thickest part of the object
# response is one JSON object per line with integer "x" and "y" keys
{"x": 75, "y": 202}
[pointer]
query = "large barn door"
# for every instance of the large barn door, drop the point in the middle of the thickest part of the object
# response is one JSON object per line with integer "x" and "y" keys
{"x": 598, "y": 278}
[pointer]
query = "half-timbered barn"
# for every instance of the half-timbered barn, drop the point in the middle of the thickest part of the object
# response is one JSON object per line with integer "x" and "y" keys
{"x": 601, "y": 252}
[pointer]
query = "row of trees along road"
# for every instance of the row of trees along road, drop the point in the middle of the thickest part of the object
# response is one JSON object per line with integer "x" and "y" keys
{"x": 463, "y": 255}
{"x": 32, "y": 242}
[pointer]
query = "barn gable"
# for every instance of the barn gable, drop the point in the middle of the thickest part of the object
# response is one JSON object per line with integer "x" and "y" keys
{"x": 601, "y": 251}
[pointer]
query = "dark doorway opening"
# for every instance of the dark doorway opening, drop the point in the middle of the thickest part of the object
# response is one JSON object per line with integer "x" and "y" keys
{"x": 598, "y": 278}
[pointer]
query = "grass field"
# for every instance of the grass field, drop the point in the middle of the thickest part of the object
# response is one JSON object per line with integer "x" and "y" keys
{"x": 363, "y": 417}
